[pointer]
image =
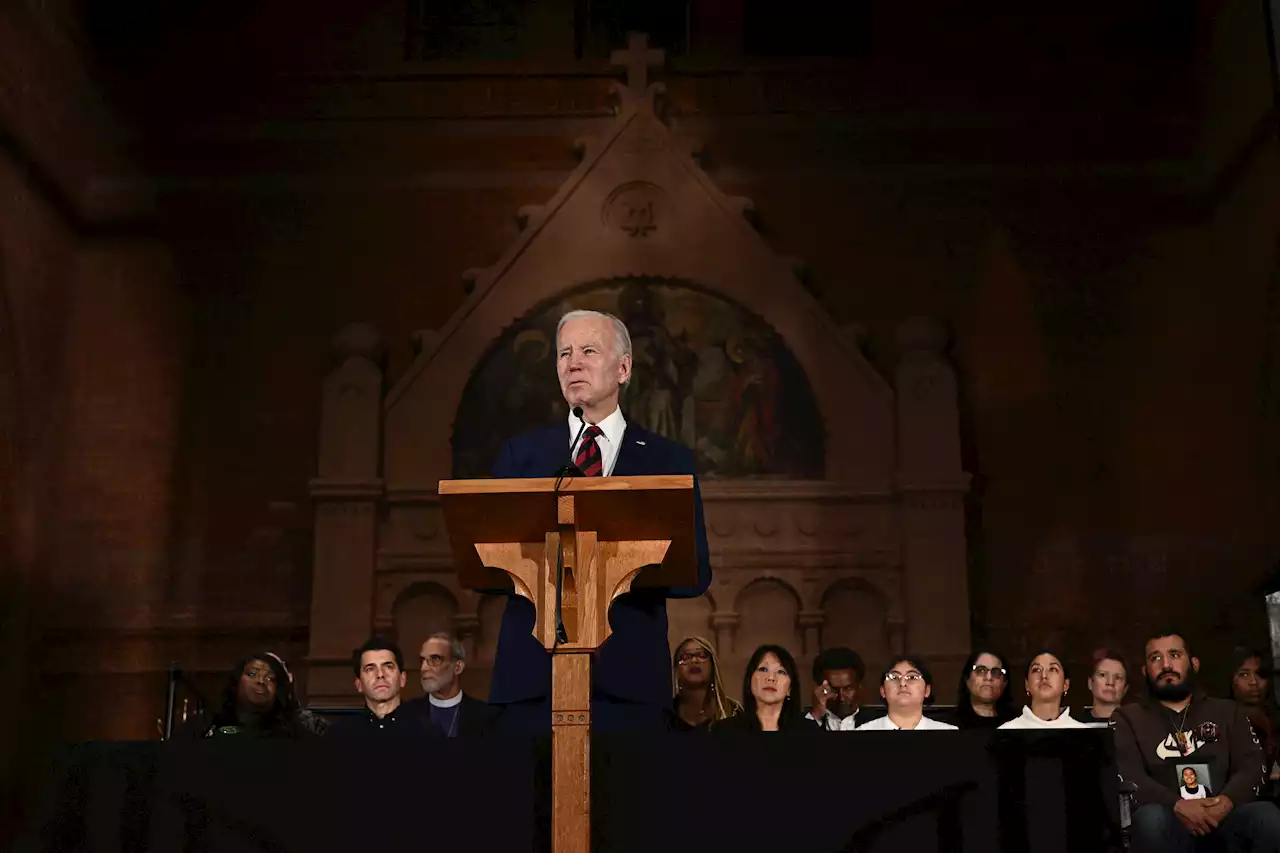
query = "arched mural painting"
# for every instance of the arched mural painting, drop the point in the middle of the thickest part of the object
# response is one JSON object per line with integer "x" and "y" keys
{"x": 707, "y": 373}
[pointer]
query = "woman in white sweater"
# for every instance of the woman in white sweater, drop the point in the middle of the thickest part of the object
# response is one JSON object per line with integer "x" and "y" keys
{"x": 1047, "y": 686}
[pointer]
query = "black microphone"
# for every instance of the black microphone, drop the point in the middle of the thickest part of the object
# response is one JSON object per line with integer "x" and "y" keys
{"x": 569, "y": 470}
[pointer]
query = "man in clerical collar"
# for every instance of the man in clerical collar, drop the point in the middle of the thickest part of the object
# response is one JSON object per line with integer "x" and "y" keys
{"x": 453, "y": 713}
{"x": 837, "y": 679}
{"x": 379, "y": 671}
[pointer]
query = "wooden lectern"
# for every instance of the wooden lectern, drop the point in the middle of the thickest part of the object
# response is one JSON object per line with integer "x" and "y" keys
{"x": 615, "y": 532}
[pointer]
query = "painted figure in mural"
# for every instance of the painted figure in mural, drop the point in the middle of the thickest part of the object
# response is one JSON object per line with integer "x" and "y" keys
{"x": 754, "y": 405}
{"x": 631, "y": 680}
{"x": 664, "y": 365}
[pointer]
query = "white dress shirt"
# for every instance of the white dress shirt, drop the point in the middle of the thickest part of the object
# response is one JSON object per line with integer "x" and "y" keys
{"x": 1029, "y": 720}
{"x": 884, "y": 724}
{"x": 612, "y": 429}
{"x": 830, "y": 722}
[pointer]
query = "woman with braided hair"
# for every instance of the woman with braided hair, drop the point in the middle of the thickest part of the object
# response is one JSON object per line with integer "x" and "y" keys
{"x": 700, "y": 701}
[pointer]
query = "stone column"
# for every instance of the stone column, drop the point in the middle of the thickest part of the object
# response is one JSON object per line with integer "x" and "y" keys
{"x": 811, "y": 623}
{"x": 725, "y": 626}
{"x": 932, "y": 485}
{"x": 346, "y": 494}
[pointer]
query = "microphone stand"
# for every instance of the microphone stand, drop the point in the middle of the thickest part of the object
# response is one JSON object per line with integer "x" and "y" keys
{"x": 570, "y": 470}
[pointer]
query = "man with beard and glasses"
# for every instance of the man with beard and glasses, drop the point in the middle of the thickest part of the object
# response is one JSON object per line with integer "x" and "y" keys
{"x": 455, "y": 714}
{"x": 1178, "y": 724}
{"x": 379, "y": 671}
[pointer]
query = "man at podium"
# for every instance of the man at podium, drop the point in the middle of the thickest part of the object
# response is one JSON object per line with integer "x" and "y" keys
{"x": 631, "y": 674}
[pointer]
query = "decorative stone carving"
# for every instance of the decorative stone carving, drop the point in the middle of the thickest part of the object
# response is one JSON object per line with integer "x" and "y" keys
{"x": 469, "y": 279}
{"x": 746, "y": 208}
{"x": 528, "y": 213}
{"x": 638, "y": 58}
{"x": 424, "y": 341}
{"x": 635, "y": 209}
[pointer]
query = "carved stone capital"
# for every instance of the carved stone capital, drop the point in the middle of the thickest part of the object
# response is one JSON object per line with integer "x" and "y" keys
{"x": 811, "y": 619}
{"x": 358, "y": 340}
{"x": 922, "y": 336}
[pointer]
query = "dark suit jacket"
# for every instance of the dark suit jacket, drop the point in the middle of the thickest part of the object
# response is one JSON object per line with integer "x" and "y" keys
{"x": 476, "y": 718}
{"x": 634, "y": 664}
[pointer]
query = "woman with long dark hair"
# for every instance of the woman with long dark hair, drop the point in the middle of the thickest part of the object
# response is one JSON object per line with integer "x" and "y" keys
{"x": 770, "y": 695}
{"x": 257, "y": 701}
{"x": 983, "y": 700}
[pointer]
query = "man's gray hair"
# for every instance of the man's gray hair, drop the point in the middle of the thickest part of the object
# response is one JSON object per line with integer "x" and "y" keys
{"x": 621, "y": 337}
{"x": 456, "y": 648}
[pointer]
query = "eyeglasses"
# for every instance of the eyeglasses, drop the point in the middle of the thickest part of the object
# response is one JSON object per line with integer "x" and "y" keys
{"x": 902, "y": 676}
{"x": 695, "y": 656}
{"x": 993, "y": 671}
{"x": 435, "y": 661}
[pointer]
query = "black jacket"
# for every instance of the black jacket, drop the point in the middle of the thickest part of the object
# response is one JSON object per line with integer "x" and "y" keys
{"x": 1218, "y": 735}
{"x": 476, "y": 718}
{"x": 635, "y": 662}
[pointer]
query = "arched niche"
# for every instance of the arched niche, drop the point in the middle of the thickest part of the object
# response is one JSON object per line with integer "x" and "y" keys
{"x": 768, "y": 611}
{"x": 708, "y": 374}
{"x": 421, "y": 609}
{"x": 690, "y": 617}
{"x": 856, "y": 615}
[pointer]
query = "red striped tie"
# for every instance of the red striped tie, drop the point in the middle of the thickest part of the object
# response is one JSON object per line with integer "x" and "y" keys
{"x": 589, "y": 460}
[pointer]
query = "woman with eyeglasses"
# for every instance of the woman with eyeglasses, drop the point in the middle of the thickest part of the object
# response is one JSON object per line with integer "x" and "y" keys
{"x": 700, "y": 701}
{"x": 1107, "y": 686}
{"x": 770, "y": 697}
{"x": 983, "y": 701}
{"x": 905, "y": 687}
{"x": 1047, "y": 684}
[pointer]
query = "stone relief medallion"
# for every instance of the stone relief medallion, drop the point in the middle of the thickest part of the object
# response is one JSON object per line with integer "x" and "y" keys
{"x": 635, "y": 209}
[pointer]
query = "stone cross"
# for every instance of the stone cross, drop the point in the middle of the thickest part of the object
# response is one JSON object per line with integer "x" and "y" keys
{"x": 638, "y": 58}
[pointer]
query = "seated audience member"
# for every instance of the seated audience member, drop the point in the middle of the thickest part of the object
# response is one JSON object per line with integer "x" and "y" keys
{"x": 1047, "y": 685}
{"x": 313, "y": 723}
{"x": 379, "y": 670}
{"x": 837, "y": 679}
{"x": 983, "y": 701}
{"x": 1250, "y": 686}
{"x": 1178, "y": 725}
{"x": 442, "y": 660}
{"x": 1107, "y": 686}
{"x": 257, "y": 701}
{"x": 904, "y": 687}
{"x": 700, "y": 701}
{"x": 769, "y": 702}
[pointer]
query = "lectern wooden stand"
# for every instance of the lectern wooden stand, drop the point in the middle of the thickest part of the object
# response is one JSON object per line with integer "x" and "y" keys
{"x": 614, "y": 532}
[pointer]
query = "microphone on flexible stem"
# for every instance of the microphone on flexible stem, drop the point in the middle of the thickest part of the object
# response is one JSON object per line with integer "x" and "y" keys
{"x": 569, "y": 470}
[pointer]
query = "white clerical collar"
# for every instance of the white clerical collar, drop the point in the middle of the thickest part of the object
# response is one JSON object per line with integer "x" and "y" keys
{"x": 445, "y": 703}
{"x": 612, "y": 426}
